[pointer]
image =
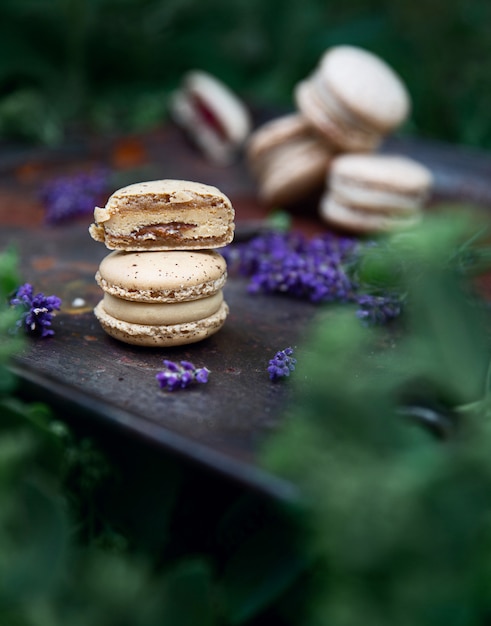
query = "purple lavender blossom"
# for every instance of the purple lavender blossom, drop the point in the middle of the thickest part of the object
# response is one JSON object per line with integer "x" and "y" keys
{"x": 67, "y": 197}
{"x": 377, "y": 310}
{"x": 37, "y": 310}
{"x": 281, "y": 364}
{"x": 289, "y": 263}
{"x": 180, "y": 375}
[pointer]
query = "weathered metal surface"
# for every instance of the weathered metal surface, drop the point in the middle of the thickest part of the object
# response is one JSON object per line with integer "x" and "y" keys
{"x": 99, "y": 380}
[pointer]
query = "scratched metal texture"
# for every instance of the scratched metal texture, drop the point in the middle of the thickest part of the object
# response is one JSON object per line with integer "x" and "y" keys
{"x": 223, "y": 424}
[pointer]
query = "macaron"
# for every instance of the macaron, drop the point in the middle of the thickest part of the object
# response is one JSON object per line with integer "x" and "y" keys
{"x": 212, "y": 115}
{"x": 353, "y": 98}
{"x": 375, "y": 192}
{"x": 165, "y": 215}
{"x": 288, "y": 159}
{"x": 161, "y": 298}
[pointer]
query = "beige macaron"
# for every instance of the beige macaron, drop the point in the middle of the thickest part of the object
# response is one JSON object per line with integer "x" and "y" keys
{"x": 212, "y": 115}
{"x": 375, "y": 192}
{"x": 289, "y": 160}
{"x": 165, "y": 215}
{"x": 162, "y": 298}
{"x": 353, "y": 98}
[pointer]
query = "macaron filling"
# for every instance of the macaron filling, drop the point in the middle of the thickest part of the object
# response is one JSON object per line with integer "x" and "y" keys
{"x": 161, "y": 314}
{"x": 165, "y": 215}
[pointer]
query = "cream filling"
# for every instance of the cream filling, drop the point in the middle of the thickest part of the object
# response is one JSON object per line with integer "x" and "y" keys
{"x": 156, "y": 223}
{"x": 161, "y": 314}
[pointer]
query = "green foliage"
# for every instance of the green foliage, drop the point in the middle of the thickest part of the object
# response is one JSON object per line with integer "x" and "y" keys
{"x": 398, "y": 520}
{"x": 113, "y": 63}
{"x": 392, "y": 526}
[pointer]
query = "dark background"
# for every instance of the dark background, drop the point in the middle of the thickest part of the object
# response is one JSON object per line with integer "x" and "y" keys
{"x": 109, "y": 65}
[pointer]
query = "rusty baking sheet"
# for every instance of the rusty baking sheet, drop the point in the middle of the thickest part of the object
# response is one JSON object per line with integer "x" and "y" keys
{"x": 220, "y": 425}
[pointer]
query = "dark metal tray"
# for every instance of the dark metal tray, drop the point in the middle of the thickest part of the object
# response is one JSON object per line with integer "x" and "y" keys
{"x": 223, "y": 424}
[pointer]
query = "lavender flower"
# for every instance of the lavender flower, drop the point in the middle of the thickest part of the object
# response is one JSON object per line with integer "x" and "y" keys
{"x": 289, "y": 263}
{"x": 281, "y": 364}
{"x": 179, "y": 376}
{"x": 37, "y": 310}
{"x": 66, "y": 197}
{"x": 378, "y": 310}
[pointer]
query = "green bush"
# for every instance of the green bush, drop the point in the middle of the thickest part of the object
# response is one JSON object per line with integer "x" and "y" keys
{"x": 112, "y": 63}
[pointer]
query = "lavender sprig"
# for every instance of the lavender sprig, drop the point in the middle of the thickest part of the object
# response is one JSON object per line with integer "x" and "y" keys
{"x": 66, "y": 197}
{"x": 289, "y": 263}
{"x": 318, "y": 270}
{"x": 281, "y": 364}
{"x": 180, "y": 375}
{"x": 38, "y": 310}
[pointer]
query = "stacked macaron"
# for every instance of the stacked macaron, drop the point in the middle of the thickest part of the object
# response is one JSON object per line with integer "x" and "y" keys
{"x": 163, "y": 280}
{"x": 375, "y": 193}
{"x": 288, "y": 158}
{"x": 348, "y": 105}
{"x": 353, "y": 99}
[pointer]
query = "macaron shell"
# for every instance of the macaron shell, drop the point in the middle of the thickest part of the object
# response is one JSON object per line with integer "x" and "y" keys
{"x": 293, "y": 172}
{"x": 383, "y": 171}
{"x": 226, "y": 105}
{"x": 161, "y": 314}
{"x": 162, "y": 276}
{"x": 334, "y": 125}
{"x": 276, "y": 133}
{"x": 361, "y": 221}
{"x": 214, "y": 145}
{"x": 161, "y": 335}
{"x": 390, "y": 184}
{"x": 368, "y": 87}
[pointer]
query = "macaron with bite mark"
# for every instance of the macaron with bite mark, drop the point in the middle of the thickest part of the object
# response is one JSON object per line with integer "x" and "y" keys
{"x": 165, "y": 215}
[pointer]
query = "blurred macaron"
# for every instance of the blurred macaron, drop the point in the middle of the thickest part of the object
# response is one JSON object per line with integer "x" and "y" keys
{"x": 353, "y": 98}
{"x": 370, "y": 193}
{"x": 288, "y": 159}
{"x": 212, "y": 115}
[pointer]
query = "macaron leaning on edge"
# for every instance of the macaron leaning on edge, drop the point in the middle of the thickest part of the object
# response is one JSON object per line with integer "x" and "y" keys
{"x": 212, "y": 116}
{"x": 165, "y": 215}
{"x": 162, "y": 298}
{"x": 288, "y": 159}
{"x": 375, "y": 192}
{"x": 353, "y": 98}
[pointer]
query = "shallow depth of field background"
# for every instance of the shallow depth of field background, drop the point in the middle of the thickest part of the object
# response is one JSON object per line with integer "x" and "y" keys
{"x": 109, "y": 65}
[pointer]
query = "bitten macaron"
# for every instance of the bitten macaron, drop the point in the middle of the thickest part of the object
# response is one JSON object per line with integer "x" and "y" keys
{"x": 212, "y": 115}
{"x": 369, "y": 193}
{"x": 353, "y": 98}
{"x": 288, "y": 158}
{"x": 160, "y": 298}
{"x": 165, "y": 215}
